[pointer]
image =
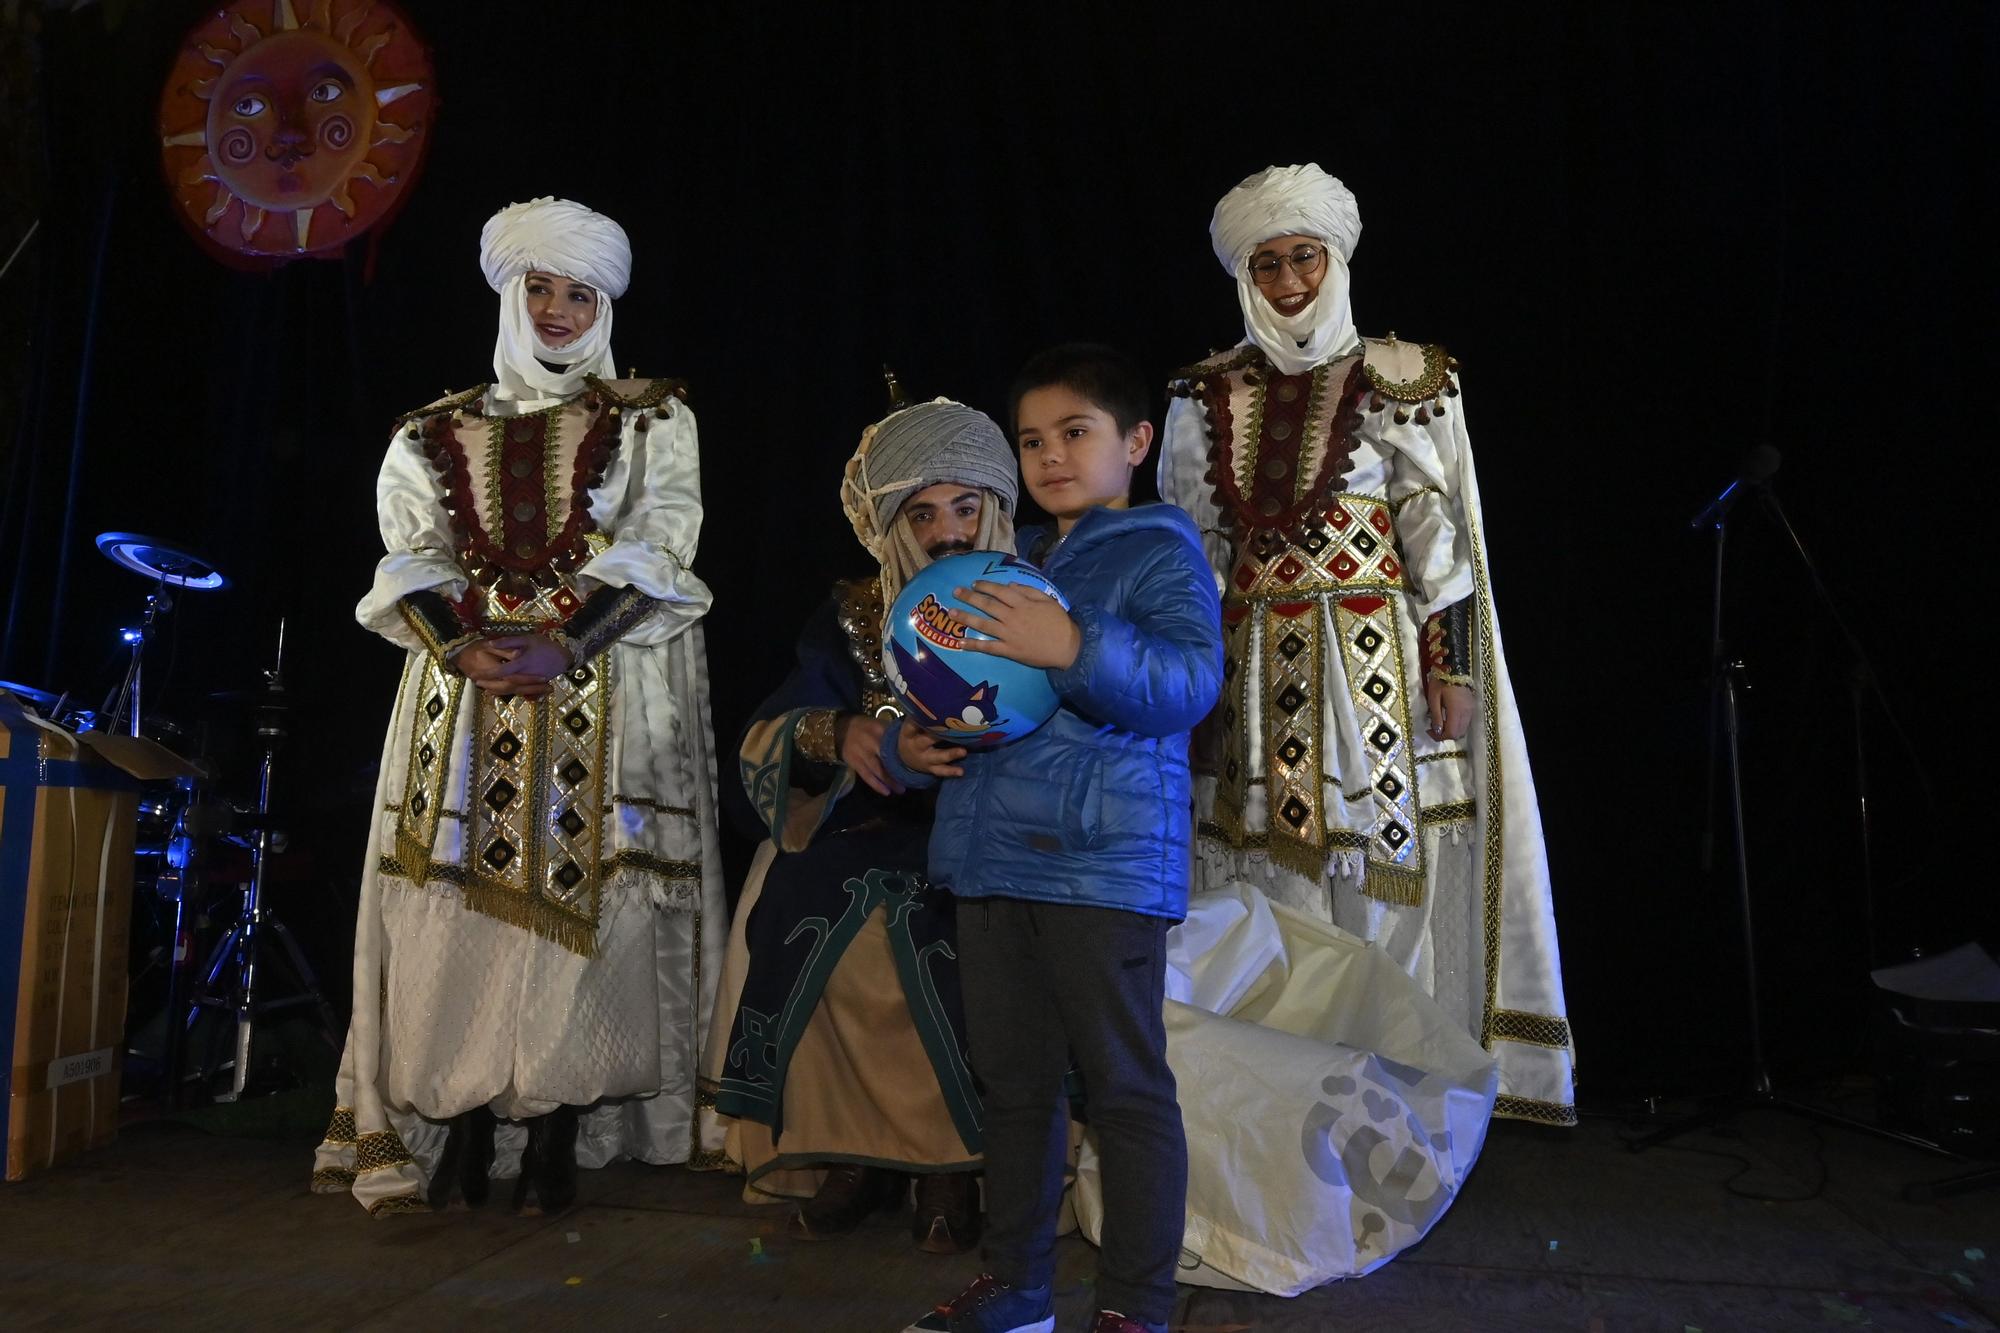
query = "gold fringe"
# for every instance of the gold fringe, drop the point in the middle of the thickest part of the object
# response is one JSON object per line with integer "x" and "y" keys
{"x": 577, "y": 934}
{"x": 1296, "y": 854}
{"x": 1399, "y": 888}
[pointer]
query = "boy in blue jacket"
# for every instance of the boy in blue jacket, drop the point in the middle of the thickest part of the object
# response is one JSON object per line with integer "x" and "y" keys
{"x": 1069, "y": 852}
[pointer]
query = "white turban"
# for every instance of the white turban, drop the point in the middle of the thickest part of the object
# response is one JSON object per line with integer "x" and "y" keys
{"x": 558, "y": 237}
{"x": 1291, "y": 201}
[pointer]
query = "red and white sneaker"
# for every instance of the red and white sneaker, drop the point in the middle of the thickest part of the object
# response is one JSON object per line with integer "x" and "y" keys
{"x": 992, "y": 1306}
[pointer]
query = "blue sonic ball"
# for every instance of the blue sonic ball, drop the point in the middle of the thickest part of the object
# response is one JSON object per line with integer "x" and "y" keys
{"x": 967, "y": 698}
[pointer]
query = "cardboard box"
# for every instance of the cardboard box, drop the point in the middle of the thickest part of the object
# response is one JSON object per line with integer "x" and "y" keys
{"x": 67, "y": 823}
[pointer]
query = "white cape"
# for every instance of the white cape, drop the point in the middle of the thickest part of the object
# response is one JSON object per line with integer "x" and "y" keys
{"x": 1333, "y": 1109}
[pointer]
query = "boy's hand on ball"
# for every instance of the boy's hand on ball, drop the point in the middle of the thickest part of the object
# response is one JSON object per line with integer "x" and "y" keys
{"x": 925, "y": 753}
{"x": 1025, "y": 624}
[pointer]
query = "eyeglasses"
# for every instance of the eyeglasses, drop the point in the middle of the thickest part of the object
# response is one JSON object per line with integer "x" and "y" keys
{"x": 1305, "y": 261}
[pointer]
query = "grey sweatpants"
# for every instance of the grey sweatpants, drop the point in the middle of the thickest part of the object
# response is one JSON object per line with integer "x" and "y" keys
{"x": 1046, "y": 983}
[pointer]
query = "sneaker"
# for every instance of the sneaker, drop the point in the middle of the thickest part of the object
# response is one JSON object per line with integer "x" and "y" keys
{"x": 1110, "y": 1321}
{"x": 991, "y": 1306}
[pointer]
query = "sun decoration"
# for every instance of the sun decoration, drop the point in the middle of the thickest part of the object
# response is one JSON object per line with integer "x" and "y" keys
{"x": 276, "y": 140}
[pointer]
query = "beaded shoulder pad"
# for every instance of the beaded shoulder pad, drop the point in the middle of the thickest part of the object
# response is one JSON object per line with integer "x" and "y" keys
{"x": 451, "y": 402}
{"x": 1406, "y": 372}
{"x": 634, "y": 395}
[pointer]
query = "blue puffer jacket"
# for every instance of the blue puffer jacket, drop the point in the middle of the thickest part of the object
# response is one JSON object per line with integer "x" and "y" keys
{"x": 1094, "y": 808}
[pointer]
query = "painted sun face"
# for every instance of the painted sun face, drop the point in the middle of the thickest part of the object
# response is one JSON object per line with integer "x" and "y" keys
{"x": 290, "y": 118}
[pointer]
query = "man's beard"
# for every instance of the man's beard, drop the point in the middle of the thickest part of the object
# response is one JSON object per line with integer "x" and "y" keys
{"x": 954, "y": 546}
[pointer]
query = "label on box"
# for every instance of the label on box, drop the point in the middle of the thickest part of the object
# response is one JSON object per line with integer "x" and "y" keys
{"x": 77, "y": 1068}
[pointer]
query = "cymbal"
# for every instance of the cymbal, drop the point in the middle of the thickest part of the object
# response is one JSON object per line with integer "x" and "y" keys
{"x": 39, "y": 698}
{"x": 161, "y": 560}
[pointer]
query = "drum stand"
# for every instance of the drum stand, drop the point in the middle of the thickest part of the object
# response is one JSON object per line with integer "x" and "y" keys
{"x": 230, "y": 978}
{"x": 127, "y": 695}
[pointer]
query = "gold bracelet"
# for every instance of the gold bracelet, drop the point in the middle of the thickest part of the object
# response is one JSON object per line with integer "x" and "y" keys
{"x": 813, "y": 736}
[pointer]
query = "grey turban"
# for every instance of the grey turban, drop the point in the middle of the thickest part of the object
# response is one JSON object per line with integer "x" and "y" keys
{"x": 921, "y": 446}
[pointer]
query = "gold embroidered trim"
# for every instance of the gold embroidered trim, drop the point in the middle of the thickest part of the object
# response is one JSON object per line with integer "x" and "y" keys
{"x": 1439, "y": 756}
{"x": 1376, "y": 682}
{"x": 695, "y": 1036}
{"x": 397, "y": 1203}
{"x": 1185, "y": 381}
{"x": 1531, "y": 1029}
{"x": 711, "y": 1159}
{"x": 1457, "y": 812}
{"x": 332, "y": 1180}
{"x": 436, "y": 647}
{"x": 632, "y": 858}
{"x": 1339, "y": 839}
{"x": 449, "y": 403}
{"x": 1526, "y": 1108}
{"x": 1396, "y": 505}
{"x": 1451, "y": 678}
{"x": 1426, "y": 385}
{"x": 434, "y": 723}
{"x": 340, "y": 1130}
{"x": 813, "y": 736}
{"x": 379, "y": 1151}
{"x": 652, "y": 395}
{"x": 1294, "y": 700}
{"x": 648, "y": 803}
{"x": 1493, "y": 829}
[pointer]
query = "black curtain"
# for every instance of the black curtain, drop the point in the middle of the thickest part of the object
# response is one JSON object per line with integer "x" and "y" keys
{"x": 1654, "y": 235}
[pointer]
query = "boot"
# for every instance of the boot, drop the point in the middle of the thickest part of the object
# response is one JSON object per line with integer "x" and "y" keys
{"x": 848, "y": 1195}
{"x": 548, "y": 1164}
{"x": 947, "y": 1217}
{"x": 465, "y": 1161}
{"x": 475, "y": 1179}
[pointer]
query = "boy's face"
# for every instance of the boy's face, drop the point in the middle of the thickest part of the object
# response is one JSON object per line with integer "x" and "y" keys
{"x": 945, "y": 518}
{"x": 1073, "y": 456}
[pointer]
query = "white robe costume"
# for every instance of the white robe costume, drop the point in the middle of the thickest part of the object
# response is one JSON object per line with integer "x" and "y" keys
{"x": 541, "y": 910}
{"x": 1333, "y": 480}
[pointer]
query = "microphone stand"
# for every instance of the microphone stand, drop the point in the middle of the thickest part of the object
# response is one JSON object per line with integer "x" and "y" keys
{"x": 1727, "y": 683}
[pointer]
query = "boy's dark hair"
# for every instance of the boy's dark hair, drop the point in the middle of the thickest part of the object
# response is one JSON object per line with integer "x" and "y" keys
{"x": 1104, "y": 375}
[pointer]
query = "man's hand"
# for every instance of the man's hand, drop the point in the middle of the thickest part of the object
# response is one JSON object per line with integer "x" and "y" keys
{"x": 858, "y": 738}
{"x": 1026, "y": 624}
{"x": 531, "y": 660}
{"x": 925, "y": 753}
{"x": 1451, "y": 709}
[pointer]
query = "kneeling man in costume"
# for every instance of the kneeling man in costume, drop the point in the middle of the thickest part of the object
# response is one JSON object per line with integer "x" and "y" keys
{"x": 844, "y": 1061}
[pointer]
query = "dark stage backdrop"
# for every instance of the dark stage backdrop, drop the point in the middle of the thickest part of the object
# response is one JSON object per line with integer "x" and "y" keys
{"x": 1655, "y": 235}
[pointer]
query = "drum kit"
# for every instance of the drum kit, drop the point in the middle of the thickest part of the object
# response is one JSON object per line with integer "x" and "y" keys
{"x": 208, "y": 949}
